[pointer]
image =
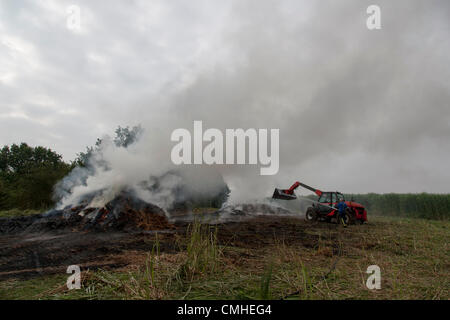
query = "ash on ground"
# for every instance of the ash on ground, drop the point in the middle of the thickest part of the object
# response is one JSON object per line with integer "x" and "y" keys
{"x": 236, "y": 213}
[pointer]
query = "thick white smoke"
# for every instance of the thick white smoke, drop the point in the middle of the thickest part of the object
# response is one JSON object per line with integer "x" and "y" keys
{"x": 141, "y": 168}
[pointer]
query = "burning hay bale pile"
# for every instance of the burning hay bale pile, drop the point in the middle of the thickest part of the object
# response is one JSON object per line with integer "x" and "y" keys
{"x": 124, "y": 213}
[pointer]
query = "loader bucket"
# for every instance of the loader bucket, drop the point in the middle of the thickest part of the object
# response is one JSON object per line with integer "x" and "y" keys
{"x": 281, "y": 194}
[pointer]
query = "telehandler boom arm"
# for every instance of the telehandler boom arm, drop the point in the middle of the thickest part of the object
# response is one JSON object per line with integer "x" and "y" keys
{"x": 288, "y": 194}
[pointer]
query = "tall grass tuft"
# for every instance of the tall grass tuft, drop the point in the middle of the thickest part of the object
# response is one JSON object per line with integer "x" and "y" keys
{"x": 264, "y": 291}
{"x": 202, "y": 252}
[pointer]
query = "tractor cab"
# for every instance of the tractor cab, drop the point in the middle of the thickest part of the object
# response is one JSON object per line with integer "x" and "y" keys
{"x": 330, "y": 197}
{"x": 328, "y": 200}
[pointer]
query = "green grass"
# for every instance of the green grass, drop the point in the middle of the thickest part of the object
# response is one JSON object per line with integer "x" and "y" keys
{"x": 19, "y": 212}
{"x": 202, "y": 251}
{"x": 412, "y": 253}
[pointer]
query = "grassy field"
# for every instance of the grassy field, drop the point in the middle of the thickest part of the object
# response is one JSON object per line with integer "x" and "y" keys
{"x": 413, "y": 255}
{"x": 18, "y": 212}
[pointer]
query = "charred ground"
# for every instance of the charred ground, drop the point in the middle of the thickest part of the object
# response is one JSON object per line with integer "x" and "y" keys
{"x": 233, "y": 259}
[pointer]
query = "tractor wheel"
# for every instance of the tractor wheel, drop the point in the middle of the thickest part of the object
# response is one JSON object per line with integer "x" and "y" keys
{"x": 310, "y": 215}
{"x": 346, "y": 219}
{"x": 350, "y": 216}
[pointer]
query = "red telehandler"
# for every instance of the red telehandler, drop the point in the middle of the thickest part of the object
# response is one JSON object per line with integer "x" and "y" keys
{"x": 324, "y": 209}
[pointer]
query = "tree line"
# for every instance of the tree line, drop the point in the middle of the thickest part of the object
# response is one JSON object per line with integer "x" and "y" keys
{"x": 27, "y": 176}
{"x": 415, "y": 205}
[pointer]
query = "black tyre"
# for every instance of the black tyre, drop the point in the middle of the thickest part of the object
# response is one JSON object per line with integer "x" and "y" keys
{"x": 311, "y": 215}
{"x": 350, "y": 216}
{"x": 345, "y": 218}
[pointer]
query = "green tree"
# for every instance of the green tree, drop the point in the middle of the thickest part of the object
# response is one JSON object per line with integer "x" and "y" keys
{"x": 126, "y": 136}
{"x": 123, "y": 138}
{"x": 27, "y": 176}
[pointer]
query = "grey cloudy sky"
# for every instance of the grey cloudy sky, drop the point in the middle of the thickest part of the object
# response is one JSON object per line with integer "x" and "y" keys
{"x": 358, "y": 110}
